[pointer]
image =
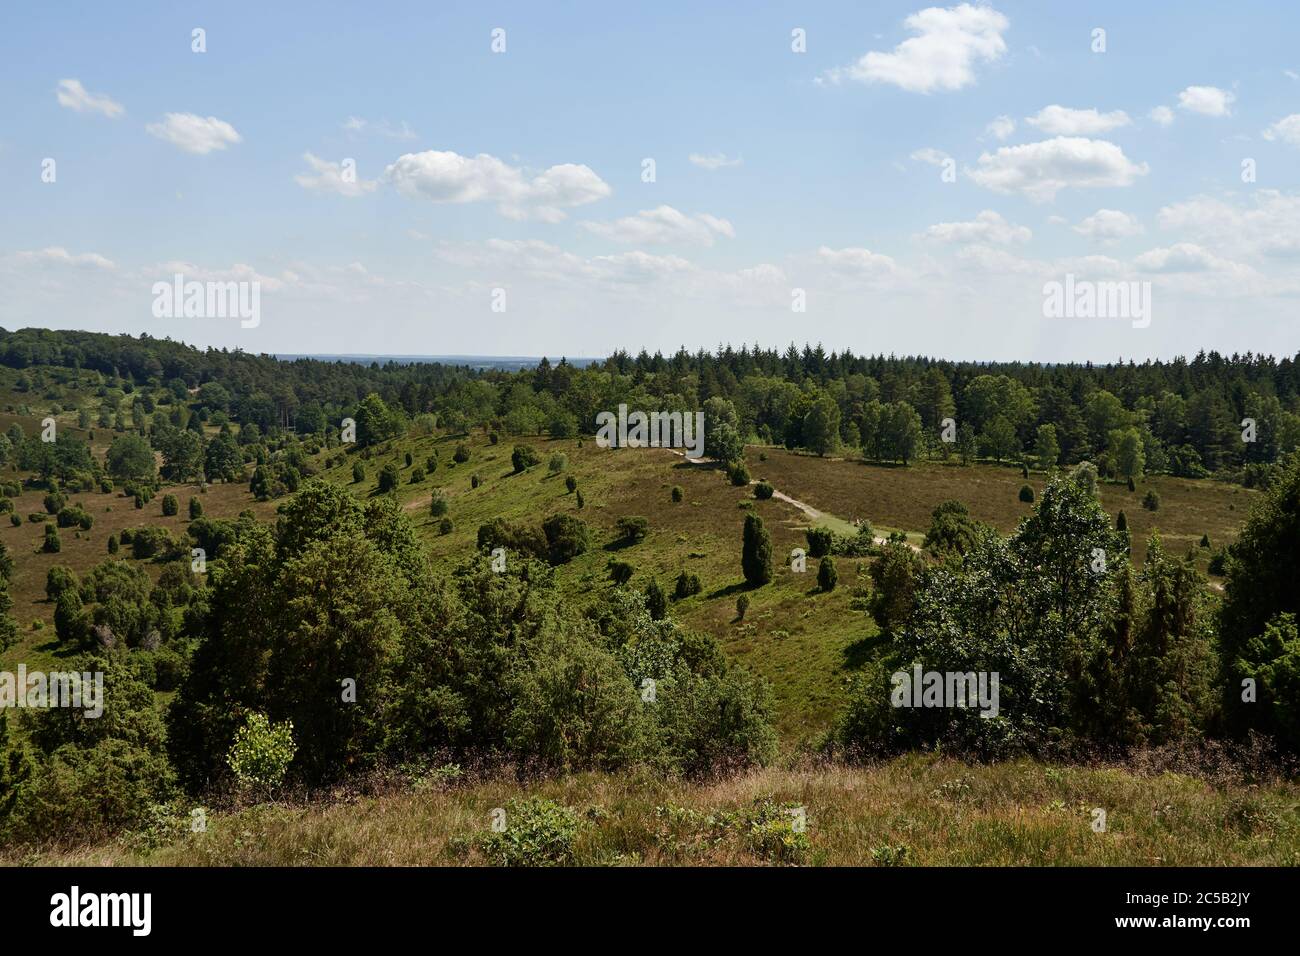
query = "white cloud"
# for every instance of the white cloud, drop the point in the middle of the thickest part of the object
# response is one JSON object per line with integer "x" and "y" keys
{"x": 448, "y": 177}
{"x": 1064, "y": 121}
{"x": 194, "y": 134}
{"x": 58, "y": 256}
{"x": 74, "y": 96}
{"x": 1001, "y": 127}
{"x": 1108, "y": 225}
{"x": 1206, "y": 100}
{"x": 857, "y": 262}
{"x": 333, "y": 178}
{"x": 1268, "y": 226}
{"x": 1287, "y": 129}
{"x": 1041, "y": 170}
{"x": 1163, "y": 115}
{"x": 942, "y": 56}
{"x": 928, "y": 154}
{"x": 1187, "y": 257}
{"x": 712, "y": 161}
{"x": 356, "y": 125}
{"x": 988, "y": 226}
{"x": 663, "y": 224}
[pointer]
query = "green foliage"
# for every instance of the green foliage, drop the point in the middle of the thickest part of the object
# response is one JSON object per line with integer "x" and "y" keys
{"x": 632, "y": 528}
{"x": 261, "y": 753}
{"x": 51, "y": 544}
{"x": 437, "y": 504}
{"x": 763, "y": 491}
{"x": 820, "y": 541}
{"x": 656, "y": 600}
{"x": 756, "y": 551}
{"x": 558, "y": 463}
{"x": 389, "y": 478}
{"x": 827, "y": 575}
{"x": 620, "y": 572}
{"x": 688, "y": 585}
{"x": 738, "y": 473}
{"x": 1151, "y": 500}
{"x": 524, "y": 457}
{"x": 677, "y": 494}
{"x": 196, "y": 509}
{"x": 170, "y": 506}
{"x": 1027, "y": 494}
{"x": 536, "y": 832}
{"x": 566, "y": 538}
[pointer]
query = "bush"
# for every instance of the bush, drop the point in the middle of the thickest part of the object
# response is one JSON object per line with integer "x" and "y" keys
{"x": 59, "y": 579}
{"x": 688, "y": 585}
{"x": 500, "y": 533}
{"x": 1218, "y": 563}
{"x": 678, "y": 494}
{"x": 73, "y": 516}
{"x": 578, "y": 500}
{"x": 742, "y": 605}
{"x": 620, "y": 572}
{"x": 632, "y": 528}
{"x": 437, "y": 504}
{"x": 15, "y": 520}
{"x": 445, "y": 526}
{"x": 536, "y": 832}
{"x": 475, "y": 481}
{"x": 566, "y": 538}
{"x": 54, "y": 502}
{"x": 738, "y": 473}
{"x": 756, "y": 551}
{"x": 827, "y": 576}
{"x": 1131, "y": 485}
{"x": 524, "y": 457}
{"x": 570, "y": 484}
{"x": 112, "y": 544}
{"x": 408, "y": 459}
{"x": 262, "y": 752}
{"x": 656, "y": 601}
{"x": 389, "y": 478}
{"x": 763, "y": 490}
{"x": 557, "y": 464}
{"x": 196, "y": 509}
{"x": 52, "y": 544}
{"x": 1205, "y": 541}
{"x": 1027, "y": 494}
{"x": 417, "y": 475}
{"x": 1151, "y": 501}
{"x": 358, "y": 472}
{"x": 461, "y": 454}
{"x": 6, "y": 505}
{"x": 820, "y": 541}
{"x": 170, "y": 506}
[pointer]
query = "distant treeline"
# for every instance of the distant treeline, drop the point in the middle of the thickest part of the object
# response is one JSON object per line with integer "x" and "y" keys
{"x": 1181, "y": 417}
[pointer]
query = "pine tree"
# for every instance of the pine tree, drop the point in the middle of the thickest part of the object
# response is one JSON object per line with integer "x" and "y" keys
{"x": 756, "y": 551}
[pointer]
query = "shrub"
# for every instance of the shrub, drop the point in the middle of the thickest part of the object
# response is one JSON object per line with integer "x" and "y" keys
{"x": 196, "y": 509}
{"x": 557, "y": 464}
{"x": 501, "y": 533}
{"x": 6, "y": 505}
{"x": 358, "y": 472}
{"x": 59, "y": 579}
{"x": 417, "y": 475}
{"x": 632, "y": 528}
{"x": 524, "y": 457}
{"x": 678, "y": 494}
{"x": 536, "y": 832}
{"x": 1151, "y": 501}
{"x": 170, "y": 506}
{"x": 15, "y": 520}
{"x": 738, "y": 473}
{"x": 408, "y": 459}
{"x": 437, "y": 504}
{"x": 445, "y": 526}
{"x": 1027, "y": 494}
{"x": 578, "y": 500}
{"x": 431, "y": 463}
{"x": 566, "y": 538}
{"x": 262, "y": 752}
{"x": 688, "y": 584}
{"x": 1131, "y": 485}
{"x": 1205, "y": 541}
{"x": 52, "y": 544}
{"x": 827, "y": 576}
{"x": 461, "y": 454}
{"x": 656, "y": 601}
{"x": 1218, "y": 563}
{"x": 475, "y": 481}
{"x": 756, "y": 551}
{"x": 54, "y": 502}
{"x": 112, "y": 544}
{"x": 570, "y": 484}
{"x": 620, "y": 572}
{"x": 820, "y": 541}
{"x": 742, "y": 605}
{"x": 36, "y": 517}
{"x": 389, "y": 478}
{"x": 763, "y": 490}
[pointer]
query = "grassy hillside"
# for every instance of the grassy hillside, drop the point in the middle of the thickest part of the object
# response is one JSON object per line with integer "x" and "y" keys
{"x": 916, "y": 810}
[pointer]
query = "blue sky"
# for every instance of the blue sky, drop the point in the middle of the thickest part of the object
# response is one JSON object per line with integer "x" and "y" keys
{"x": 522, "y": 171}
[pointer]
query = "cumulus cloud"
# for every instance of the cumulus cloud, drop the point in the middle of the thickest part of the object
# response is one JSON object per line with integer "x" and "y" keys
{"x": 1040, "y": 170}
{"x": 448, "y": 177}
{"x": 339, "y": 178}
{"x": 949, "y": 42}
{"x": 1108, "y": 225}
{"x": 1187, "y": 257}
{"x": 712, "y": 161}
{"x": 930, "y": 155}
{"x": 1287, "y": 129}
{"x": 74, "y": 96}
{"x": 1064, "y": 121}
{"x": 193, "y": 133}
{"x": 1206, "y": 100}
{"x": 1267, "y": 224}
{"x": 1162, "y": 115}
{"x": 986, "y": 227}
{"x": 857, "y": 262}
{"x": 663, "y": 224}
{"x": 1001, "y": 127}
{"x": 355, "y": 125}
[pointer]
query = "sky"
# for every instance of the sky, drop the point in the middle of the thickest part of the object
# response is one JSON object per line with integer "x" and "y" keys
{"x": 575, "y": 178}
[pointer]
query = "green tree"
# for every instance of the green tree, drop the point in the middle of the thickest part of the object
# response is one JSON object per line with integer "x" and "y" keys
{"x": 756, "y": 551}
